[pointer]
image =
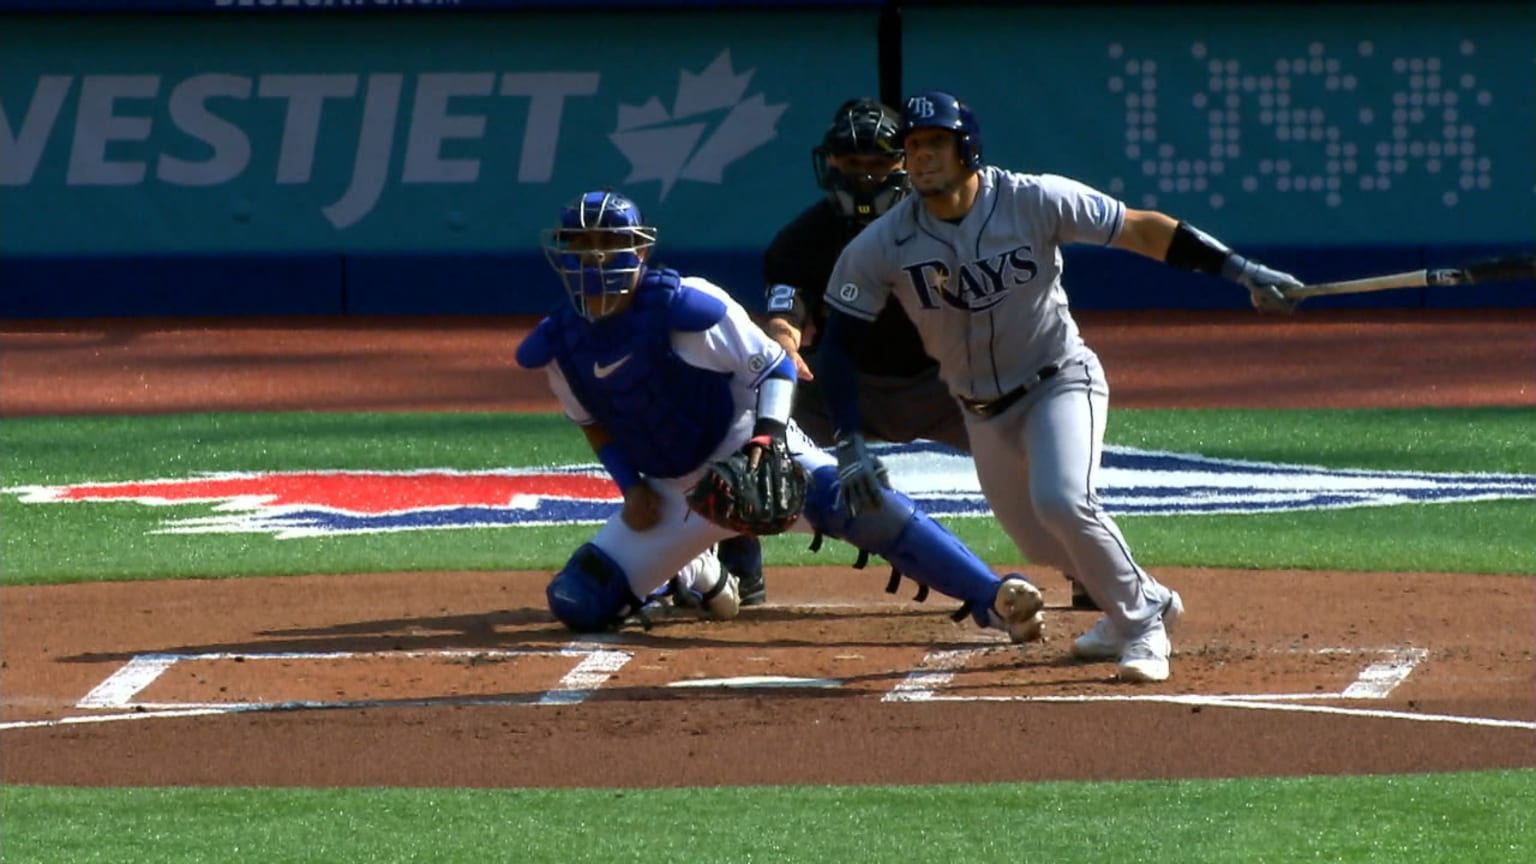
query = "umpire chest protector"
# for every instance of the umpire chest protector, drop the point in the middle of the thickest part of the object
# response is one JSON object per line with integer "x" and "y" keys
{"x": 666, "y": 416}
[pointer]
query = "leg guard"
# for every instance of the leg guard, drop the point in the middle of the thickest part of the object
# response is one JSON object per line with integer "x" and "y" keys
{"x": 922, "y": 549}
{"x": 592, "y": 593}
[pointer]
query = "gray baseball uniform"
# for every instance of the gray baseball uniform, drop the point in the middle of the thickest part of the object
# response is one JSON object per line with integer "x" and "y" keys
{"x": 986, "y": 296}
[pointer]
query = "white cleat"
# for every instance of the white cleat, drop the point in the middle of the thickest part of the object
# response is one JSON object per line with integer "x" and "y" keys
{"x": 1103, "y": 641}
{"x": 1145, "y": 660}
{"x": 1017, "y": 609}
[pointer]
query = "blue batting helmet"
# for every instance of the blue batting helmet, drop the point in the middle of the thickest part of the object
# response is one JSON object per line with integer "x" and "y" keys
{"x": 936, "y": 109}
{"x": 599, "y": 249}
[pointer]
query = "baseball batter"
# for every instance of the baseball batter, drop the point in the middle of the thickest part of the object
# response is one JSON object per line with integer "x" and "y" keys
{"x": 859, "y": 167}
{"x": 666, "y": 374}
{"x": 974, "y": 260}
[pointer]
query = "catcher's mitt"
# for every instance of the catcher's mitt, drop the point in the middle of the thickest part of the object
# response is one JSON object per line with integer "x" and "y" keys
{"x": 758, "y": 501}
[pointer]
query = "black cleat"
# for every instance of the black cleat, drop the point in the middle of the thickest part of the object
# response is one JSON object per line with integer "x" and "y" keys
{"x": 754, "y": 591}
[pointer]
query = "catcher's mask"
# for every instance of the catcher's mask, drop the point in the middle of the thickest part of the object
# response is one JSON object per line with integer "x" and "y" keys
{"x": 599, "y": 249}
{"x": 864, "y": 139}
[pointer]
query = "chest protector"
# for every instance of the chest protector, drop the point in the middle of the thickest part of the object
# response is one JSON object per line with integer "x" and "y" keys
{"x": 666, "y": 416}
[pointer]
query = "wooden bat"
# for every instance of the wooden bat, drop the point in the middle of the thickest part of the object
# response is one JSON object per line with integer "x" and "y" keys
{"x": 1495, "y": 270}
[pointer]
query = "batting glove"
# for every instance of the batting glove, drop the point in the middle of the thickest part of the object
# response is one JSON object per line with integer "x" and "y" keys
{"x": 1266, "y": 286}
{"x": 860, "y": 476}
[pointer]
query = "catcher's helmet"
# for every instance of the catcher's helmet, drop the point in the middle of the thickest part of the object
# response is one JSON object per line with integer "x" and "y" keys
{"x": 936, "y": 109}
{"x": 861, "y": 127}
{"x": 598, "y": 248}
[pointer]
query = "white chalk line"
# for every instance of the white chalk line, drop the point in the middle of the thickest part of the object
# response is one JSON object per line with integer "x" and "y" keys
{"x": 598, "y": 663}
{"x": 1376, "y": 681}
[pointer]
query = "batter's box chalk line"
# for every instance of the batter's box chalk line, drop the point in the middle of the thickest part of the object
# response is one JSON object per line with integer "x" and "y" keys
{"x": 926, "y": 683}
{"x": 594, "y": 665}
{"x": 595, "y": 660}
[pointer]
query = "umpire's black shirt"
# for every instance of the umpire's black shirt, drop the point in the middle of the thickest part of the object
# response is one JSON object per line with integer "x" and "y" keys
{"x": 802, "y": 256}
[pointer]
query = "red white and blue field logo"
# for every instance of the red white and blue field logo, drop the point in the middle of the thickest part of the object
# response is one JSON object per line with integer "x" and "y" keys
{"x": 1132, "y": 483}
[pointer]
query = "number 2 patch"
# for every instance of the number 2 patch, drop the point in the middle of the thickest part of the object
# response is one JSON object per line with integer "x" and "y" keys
{"x": 781, "y": 298}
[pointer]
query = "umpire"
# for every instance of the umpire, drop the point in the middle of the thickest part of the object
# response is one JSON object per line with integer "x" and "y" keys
{"x": 859, "y": 167}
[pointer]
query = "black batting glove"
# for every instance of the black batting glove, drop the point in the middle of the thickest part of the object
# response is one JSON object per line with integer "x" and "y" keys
{"x": 860, "y": 476}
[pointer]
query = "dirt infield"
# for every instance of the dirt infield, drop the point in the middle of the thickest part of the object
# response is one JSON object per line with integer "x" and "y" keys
{"x": 462, "y": 679}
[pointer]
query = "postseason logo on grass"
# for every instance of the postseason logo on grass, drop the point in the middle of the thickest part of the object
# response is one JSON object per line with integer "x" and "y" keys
{"x": 1133, "y": 482}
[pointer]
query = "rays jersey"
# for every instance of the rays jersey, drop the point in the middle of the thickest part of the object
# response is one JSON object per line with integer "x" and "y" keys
{"x": 985, "y": 294}
{"x": 673, "y": 378}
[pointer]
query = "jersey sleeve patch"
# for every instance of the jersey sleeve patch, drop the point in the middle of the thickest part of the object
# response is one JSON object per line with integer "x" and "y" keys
{"x": 845, "y": 298}
{"x": 695, "y": 311}
{"x": 537, "y": 350}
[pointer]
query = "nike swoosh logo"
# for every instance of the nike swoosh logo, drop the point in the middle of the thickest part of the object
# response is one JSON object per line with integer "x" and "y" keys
{"x": 602, "y": 371}
{"x": 902, "y": 241}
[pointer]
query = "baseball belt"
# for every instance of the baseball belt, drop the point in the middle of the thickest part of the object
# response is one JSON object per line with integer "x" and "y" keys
{"x": 985, "y": 408}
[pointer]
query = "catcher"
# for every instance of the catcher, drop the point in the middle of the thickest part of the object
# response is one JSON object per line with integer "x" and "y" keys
{"x": 686, "y": 402}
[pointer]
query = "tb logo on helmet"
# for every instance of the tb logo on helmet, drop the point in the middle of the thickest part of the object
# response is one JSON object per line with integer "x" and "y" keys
{"x": 920, "y": 106}
{"x": 936, "y": 109}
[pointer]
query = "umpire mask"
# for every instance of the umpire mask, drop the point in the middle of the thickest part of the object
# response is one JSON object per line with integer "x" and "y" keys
{"x": 859, "y": 161}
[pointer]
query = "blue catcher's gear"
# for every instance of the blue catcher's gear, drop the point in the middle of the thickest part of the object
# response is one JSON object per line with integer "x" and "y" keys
{"x": 861, "y": 127}
{"x": 592, "y": 593}
{"x": 936, "y": 109}
{"x": 922, "y": 549}
{"x": 665, "y": 416}
{"x": 599, "y": 249}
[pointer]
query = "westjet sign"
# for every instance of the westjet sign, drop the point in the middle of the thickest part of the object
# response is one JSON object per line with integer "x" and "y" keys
{"x": 217, "y": 129}
{"x": 391, "y": 133}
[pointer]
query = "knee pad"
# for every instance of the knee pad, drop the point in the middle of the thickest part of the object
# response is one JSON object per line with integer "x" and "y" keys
{"x": 872, "y": 530}
{"x": 592, "y": 593}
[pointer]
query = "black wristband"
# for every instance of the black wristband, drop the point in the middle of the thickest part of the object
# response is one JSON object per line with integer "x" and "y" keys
{"x": 1193, "y": 249}
{"x": 769, "y": 427}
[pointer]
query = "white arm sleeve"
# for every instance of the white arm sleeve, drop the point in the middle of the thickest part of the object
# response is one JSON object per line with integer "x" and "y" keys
{"x": 735, "y": 344}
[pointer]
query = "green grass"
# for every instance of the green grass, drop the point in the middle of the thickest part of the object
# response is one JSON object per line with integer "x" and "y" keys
{"x": 1439, "y": 819}
{"x": 1434, "y": 819}
{"x": 47, "y": 543}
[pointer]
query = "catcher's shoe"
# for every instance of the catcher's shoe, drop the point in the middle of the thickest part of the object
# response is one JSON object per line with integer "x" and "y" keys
{"x": 1103, "y": 641}
{"x": 754, "y": 591}
{"x": 1017, "y": 609}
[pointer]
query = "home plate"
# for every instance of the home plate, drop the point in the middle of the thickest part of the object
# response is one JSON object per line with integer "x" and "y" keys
{"x": 749, "y": 681}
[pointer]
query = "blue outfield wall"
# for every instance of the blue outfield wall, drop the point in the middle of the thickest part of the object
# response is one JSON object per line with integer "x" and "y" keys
{"x": 521, "y": 283}
{"x": 405, "y": 163}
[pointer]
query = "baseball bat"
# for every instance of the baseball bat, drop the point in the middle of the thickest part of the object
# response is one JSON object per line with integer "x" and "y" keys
{"x": 1494, "y": 270}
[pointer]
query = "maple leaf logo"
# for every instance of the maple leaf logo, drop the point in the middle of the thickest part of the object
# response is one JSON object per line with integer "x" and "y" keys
{"x": 674, "y": 146}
